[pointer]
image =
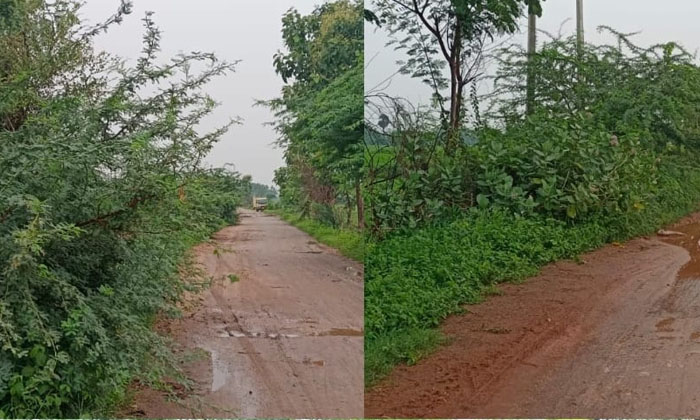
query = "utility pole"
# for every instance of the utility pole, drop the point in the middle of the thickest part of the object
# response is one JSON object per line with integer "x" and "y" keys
{"x": 579, "y": 51}
{"x": 579, "y": 25}
{"x": 531, "y": 50}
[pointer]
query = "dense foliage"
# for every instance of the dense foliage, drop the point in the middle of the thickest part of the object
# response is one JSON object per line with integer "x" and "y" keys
{"x": 320, "y": 117}
{"x": 413, "y": 281}
{"x": 411, "y": 178}
{"x": 602, "y": 124}
{"x": 101, "y": 194}
{"x": 608, "y": 151}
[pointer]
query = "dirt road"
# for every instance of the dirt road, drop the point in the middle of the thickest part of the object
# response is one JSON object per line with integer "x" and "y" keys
{"x": 615, "y": 336}
{"x": 284, "y": 338}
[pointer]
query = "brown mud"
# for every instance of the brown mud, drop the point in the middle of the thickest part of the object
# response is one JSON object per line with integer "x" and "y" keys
{"x": 284, "y": 340}
{"x": 617, "y": 335}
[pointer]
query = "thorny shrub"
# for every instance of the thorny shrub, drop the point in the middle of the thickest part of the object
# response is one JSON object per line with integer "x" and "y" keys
{"x": 101, "y": 194}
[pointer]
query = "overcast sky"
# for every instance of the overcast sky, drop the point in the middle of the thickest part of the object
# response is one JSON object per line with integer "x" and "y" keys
{"x": 247, "y": 30}
{"x": 659, "y": 21}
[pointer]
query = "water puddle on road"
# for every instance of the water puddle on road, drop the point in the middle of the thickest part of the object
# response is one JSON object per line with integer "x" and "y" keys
{"x": 226, "y": 331}
{"x": 681, "y": 301}
{"x": 690, "y": 241}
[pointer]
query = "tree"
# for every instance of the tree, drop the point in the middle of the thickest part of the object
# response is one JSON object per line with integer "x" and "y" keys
{"x": 44, "y": 54}
{"x": 449, "y": 33}
{"x": 319, "y": 116}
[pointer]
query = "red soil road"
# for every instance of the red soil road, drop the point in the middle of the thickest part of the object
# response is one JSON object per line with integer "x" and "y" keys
{"x": 285, "y": 340}
{"x": 615, "y": 337}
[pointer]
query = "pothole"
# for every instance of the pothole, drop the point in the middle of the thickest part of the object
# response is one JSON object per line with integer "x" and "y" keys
{"x": 665, "y": 325}
{"x": 343, "y": 332}
{"x": 263, "y": 335}
{"x": 308, "y": 361}
{"x": 333, "y": 332}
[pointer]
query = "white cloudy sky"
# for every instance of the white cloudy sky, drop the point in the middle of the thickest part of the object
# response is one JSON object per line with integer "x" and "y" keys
{"x": 247, "y": 30}
{"x": 659, "y": 21}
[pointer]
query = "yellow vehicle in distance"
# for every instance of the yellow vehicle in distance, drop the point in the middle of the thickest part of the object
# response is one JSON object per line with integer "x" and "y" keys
{"x": 259, "y": 203}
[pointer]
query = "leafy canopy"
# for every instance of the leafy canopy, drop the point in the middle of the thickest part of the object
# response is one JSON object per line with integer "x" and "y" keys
{"x": 319, "y": 116}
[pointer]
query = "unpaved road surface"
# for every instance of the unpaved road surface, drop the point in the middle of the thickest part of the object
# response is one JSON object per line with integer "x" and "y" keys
{"x": 285, "y": 340}
{"x": 616, "y": 336}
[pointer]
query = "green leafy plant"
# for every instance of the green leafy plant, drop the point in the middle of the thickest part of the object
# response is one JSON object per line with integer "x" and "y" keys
{"x": 413, "y": 280}
{"x": 101, "y": 195}
{"x": 608, "y": 151}
{"x": 320, "y": 113}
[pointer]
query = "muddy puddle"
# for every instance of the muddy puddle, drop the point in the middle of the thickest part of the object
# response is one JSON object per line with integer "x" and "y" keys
{"x": 688, "y": 237}
{"x": 225, "y": 331}
{"x": 344, "y": 332}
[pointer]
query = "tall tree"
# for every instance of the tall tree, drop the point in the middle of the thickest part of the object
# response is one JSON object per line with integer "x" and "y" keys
{"x": 320, "y": 113}
{"x": 452, "y": 34}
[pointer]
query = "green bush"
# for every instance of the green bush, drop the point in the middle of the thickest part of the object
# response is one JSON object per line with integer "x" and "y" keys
{"x": 101, "y": 195}
{"x": 566, "y": 169}
{"x": 413, "y": 280}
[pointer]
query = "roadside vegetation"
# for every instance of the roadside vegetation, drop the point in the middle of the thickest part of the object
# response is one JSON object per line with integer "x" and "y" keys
{"x": 102, "y": 192}
{"x": 350, "y": 242}
{"x": 320, "y": 124}
{"x": 575, "y": 146}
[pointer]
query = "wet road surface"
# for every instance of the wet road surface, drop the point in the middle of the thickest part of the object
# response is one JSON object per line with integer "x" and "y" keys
{"x": 283, "y": 338}
{"x": 616, "y": 336}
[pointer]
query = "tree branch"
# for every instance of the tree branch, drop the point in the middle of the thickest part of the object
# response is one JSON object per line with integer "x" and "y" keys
{"x": 131, "y": 205}
{"x": 420, "y": 12}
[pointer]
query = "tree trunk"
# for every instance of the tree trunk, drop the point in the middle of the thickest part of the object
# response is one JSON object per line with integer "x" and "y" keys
{"x": 455, "y": 105}
{"x": 360, "y": 207}
{"x": 348, "y": 206}
{"x": 456, "y": 86}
